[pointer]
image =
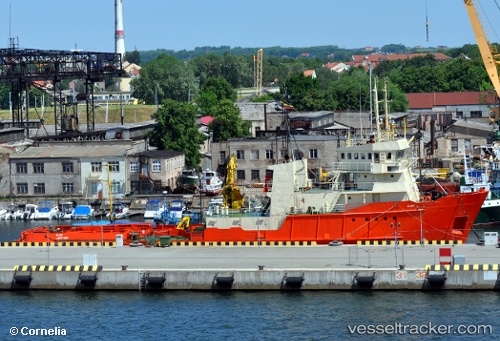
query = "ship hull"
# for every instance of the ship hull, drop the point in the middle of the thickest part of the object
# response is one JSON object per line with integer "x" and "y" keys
{"x": 448, "y": 218}
{"x": 489, "y": 213}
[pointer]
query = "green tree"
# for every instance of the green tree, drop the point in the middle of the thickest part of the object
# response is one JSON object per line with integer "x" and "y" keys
{"x": 165, "y": 77}
{"x": 227, "y": 122}
{"x": 297, "y": 87}
{"x": 133, "y": 57}
{"x": 176, "y": 130}
{"x": 215, "y": 90}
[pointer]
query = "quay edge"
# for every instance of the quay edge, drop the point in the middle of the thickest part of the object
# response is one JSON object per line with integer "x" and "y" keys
{"x": 244, "y": 279}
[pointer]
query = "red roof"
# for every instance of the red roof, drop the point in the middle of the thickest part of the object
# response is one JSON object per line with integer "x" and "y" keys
{"x": 205, "y": 120}
{"x": 436, "y": 99}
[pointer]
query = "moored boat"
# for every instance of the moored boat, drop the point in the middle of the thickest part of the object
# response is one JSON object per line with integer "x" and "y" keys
{"x": 211, "y": 182}
{"x": 485, "y": 177}
{"x": 153, "y": 207}
{"x": 82, "y": 212}
{"x": 188, "y": 181}
{"x": 119, "y": 210}
{"x": 46, "y": 210}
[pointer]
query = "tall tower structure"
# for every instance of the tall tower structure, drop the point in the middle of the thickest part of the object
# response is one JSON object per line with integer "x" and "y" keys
{"x": 119, "y": 34}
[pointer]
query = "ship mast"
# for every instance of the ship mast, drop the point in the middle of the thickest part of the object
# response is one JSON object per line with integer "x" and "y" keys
{"x": 375, "y": 100}
{"x": 386, "y": 108}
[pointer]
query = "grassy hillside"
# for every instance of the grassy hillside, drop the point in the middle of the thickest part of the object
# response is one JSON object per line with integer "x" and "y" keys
{"x": 132, "y": 113}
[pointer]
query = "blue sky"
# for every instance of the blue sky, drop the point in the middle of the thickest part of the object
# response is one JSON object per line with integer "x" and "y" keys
{"x": 186, "y": 24}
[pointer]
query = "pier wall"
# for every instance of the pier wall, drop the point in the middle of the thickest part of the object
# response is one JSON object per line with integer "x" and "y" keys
{"x": 243, "y": 279}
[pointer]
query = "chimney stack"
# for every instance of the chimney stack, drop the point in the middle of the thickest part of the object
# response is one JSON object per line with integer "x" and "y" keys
{"x": 119, "y": 34}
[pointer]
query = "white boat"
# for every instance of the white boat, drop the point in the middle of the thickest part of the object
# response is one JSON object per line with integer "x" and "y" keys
{"x": 29, "y": 212}
{"x": 3, "y": 212}
{"x": 174, "y": 213}
{"x": 119, "y": 210}
{"x": 486, "y": 177}
{"x": 211, "y": 182}
{"x": 66, "y": 210}
{"x": 82, "y": 212}
{"x": 152, "y": 208}
{"x": 14, "y": 212}
{"x": 47, "y": 209}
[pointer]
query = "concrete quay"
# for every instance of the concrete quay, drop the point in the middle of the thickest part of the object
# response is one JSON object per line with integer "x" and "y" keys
{"x": 346, "y": 267}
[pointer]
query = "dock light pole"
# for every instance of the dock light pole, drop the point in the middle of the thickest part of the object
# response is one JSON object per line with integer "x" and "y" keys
{"x": 164, "y": 213}
{"x": 395, "y": 226}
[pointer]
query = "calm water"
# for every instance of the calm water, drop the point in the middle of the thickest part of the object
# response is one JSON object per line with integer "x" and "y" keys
{"x": 242, "y": 316}
{"x": 237, "y": 315}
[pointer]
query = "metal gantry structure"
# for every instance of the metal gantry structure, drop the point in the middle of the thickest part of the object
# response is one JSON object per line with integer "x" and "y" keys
{"x": 26, "y": 68}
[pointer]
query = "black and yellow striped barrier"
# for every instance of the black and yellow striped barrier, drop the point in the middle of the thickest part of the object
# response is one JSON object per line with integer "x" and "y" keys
{"x": 410, "y": 242}
{"x": 463, "y": 267}
{"x": 55, "y": 244}
{"x": 254, "y": 243}
{"x": 64, "y": 268}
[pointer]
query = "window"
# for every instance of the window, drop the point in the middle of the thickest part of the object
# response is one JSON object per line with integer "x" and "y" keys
{"x": 222, "y": 158}
{"x": 460, "y": 114}
{"x": 114, "y": 166}
{"x": 38, "y": 168}
{"x": 115, "y": 187}
{"x": 313, "y": 153}
{"x": 454, "y": 145}
{"x": 254, "y": 154}
{"x": 240, "y": 154}
{"x": 134, "y": 167}
{"x": 269, "y": 154}
{"x": 134, "y": 186}
{"x": 156, "y": 166}
{"x": 68, "y": 187}
{"x": 476, "y": 114}
{"x": 22, "y": 188}
{"x": 283, "y": 154}
{"x": 145, "y": 185}
{"x": 67, "y": 167}
{"x": 255, "y": 174}
{"x": 22, "y": 168}
{"x": 96, "y": 167}
{"x": 240, "y": 174}
{"x": 39, "y": 188}
{"x": 94, "y": 187}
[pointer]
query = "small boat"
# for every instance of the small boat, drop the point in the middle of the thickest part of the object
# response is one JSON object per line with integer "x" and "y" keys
{"x": 3, "y": 212}
{"x": 486, "y": 177}
{"x": 47, "y": 209}
{"x": 14, "y": 212}
{"x": 119, "y": 210}
{"x": 153, "y": 207}
{"x": 211, "y": 182}
{"x": 82, "y": 212}
{"x": 188, "y": 181}
{"x": 29, "y": 211}
{"x": 65, "y": 210}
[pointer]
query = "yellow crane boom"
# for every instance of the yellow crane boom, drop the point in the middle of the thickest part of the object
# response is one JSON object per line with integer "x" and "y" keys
{"x": 489, "y": 55}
